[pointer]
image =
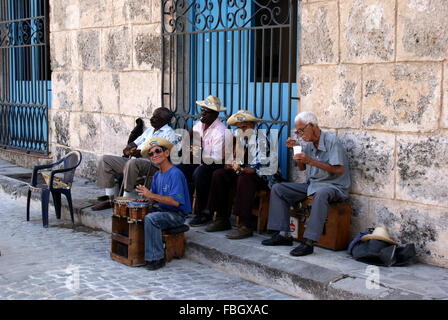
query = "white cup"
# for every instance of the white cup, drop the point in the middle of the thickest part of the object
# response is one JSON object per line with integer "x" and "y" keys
{"x": 297, "y": 149}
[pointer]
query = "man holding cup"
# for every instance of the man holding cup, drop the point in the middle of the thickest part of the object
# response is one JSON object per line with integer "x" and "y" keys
{"x": 328, "y": 179}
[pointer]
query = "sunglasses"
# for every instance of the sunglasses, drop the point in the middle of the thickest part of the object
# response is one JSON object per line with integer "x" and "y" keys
{"x": 299, "y": 132}
{"x": 206, "y": 110}
{"x": 156, "y": 151}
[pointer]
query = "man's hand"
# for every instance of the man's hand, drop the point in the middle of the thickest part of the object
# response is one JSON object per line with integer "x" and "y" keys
{"x": 303, "y": 158}
{"x": 130, "y": 149}
{"x": 144, "y": 192}
{"x": 290, "y": 142}
{"x": 136, "y": 153}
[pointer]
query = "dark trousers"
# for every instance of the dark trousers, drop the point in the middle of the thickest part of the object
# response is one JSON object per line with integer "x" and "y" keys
{"x": 228, "y": 188}
{"x": 201, "y": 177}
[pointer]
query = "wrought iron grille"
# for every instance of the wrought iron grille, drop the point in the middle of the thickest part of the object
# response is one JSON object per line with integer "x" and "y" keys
{"x": 24, "y": 75}
{"x": 243, "y": 51}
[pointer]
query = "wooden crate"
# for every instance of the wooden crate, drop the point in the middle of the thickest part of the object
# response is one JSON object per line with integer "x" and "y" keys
{"x": 336, "y": 232}
{"x": 128, "y": 242}
{"x": 174, "y": 245}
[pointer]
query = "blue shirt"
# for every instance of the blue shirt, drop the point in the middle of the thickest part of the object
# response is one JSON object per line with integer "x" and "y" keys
{"x": 172, "y": 183}
{"x": 331, "y": 151}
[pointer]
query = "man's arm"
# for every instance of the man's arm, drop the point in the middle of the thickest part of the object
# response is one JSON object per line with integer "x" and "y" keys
{"x": 302, "y": 160}
{"x": 168, "y": 200}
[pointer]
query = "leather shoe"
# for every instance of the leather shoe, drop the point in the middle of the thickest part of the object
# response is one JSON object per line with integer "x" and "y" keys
{"x": 219, "y": 225}
{"x": 240, "y": 233}
{"x": 199, "y": 220}
{"x": 277, "y": 240}
{"x": 102, "y": 205}
{"x": 156, "y": 264}
{"x": 302, "y": 249}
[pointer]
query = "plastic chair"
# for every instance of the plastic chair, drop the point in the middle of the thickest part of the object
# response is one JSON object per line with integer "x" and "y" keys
{"x": 54, "y": 185}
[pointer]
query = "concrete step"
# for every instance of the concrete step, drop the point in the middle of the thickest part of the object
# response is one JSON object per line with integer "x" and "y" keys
{"x": 323, "y": 275}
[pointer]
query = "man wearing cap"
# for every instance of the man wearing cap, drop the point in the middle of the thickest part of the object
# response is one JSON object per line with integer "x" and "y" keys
{"x": 244, "y": 175}
{"x": 112, "y": 168}
{"x": 169, "y": 192}
{"x": 209, "y": 135}
{"x": 328, "y": 179}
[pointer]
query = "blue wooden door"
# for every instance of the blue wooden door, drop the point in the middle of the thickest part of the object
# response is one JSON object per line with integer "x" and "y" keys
{"x": 236, "y": 56}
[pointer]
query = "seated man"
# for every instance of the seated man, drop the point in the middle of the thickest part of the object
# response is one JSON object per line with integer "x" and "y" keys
{"x": 112, "y": 168}
{"x": 328, "y": 179}
{"x": 210, "y": 132}
{"x": 169, "y": 191}
{"x": 246, "y": 178}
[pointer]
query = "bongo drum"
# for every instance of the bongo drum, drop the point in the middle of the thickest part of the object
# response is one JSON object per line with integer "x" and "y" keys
{"x": 138, "y": 209}
{"x": 120, "y": 208}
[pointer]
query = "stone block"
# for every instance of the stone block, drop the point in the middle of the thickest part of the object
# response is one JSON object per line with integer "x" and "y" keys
{"x": 156, "y": 11}
{"x": 63, "y": 51}
{"x": 64, "y": 15}
{"x": 320, "y": 35}
{"x": 101, "y": 92}
{"x": 133, "y": 11}
{"x": 67, "y": 90}
{"x": 139, "y": 93}
{"x": 60, "y": 127}
{"x": 425, "y": 226}
{"x": 146, "y": 42}
{"x": 422, "y": 30}
{"x": 361, "y": 218}
{"x": 88, "y": 133}
{"x": 96, "y": 13}
{"x": 116, "y": 48}
{"x": 333, "y": 93}
{"x": 422, "y": 168}
{"x": 367, "y": 30}
{"x": 371, "y": 156}
{"x": 444, "y": 122}
{"x": 402, "y": 97}
{"x": 88, "y": 42}
{"x": 115, "y": 133}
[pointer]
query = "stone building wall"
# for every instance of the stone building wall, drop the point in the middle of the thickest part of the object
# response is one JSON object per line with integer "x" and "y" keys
{"x": 374, "y": 71}
{"x": 105, "y": 58}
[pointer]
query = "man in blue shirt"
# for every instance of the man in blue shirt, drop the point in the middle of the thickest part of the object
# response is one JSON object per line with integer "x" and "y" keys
{"x": 328, "y": 179}
{"x": 169, "y": 191}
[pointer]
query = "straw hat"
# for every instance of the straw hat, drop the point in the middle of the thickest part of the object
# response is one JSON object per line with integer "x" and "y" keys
{"x": 241, "y": 116}
{"x": 154, "y": 142}
{"x": 212, "y": 103}
{"x": 380, "y": 233}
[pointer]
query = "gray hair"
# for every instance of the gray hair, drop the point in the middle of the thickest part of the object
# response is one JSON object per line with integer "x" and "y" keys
{"x": 306, "y": 117}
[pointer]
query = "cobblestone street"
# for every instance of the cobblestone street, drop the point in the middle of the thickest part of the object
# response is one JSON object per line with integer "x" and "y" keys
{"x": 39, "y": 263}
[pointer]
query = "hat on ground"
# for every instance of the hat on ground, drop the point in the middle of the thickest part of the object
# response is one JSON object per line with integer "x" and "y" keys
{"x": 380, "y": 233}
{"x": 241, "y": 116}
{"x": 154, "y": 142}
{"x": 212, "y": 103}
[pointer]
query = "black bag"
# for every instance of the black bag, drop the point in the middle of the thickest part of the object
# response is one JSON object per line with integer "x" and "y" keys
{"x": 381, "y": 253}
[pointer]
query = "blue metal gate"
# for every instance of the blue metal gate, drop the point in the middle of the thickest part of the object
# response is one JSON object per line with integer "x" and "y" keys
{"x": 25, "y": 81}
{"x": 243, "y": 51}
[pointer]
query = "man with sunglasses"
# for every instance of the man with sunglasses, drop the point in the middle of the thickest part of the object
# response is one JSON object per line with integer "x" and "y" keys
{"x": 131, "y": 165}
{"x": 169, "y": 193}
{"x": 328, "y": 178}
{"x": 209, "y": 137}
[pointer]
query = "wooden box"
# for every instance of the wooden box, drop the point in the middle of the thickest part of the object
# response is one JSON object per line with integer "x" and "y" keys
{"x": 336, "y": 232}
{"x": 128, "y": 242}
{"x": 174, "y": 245}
